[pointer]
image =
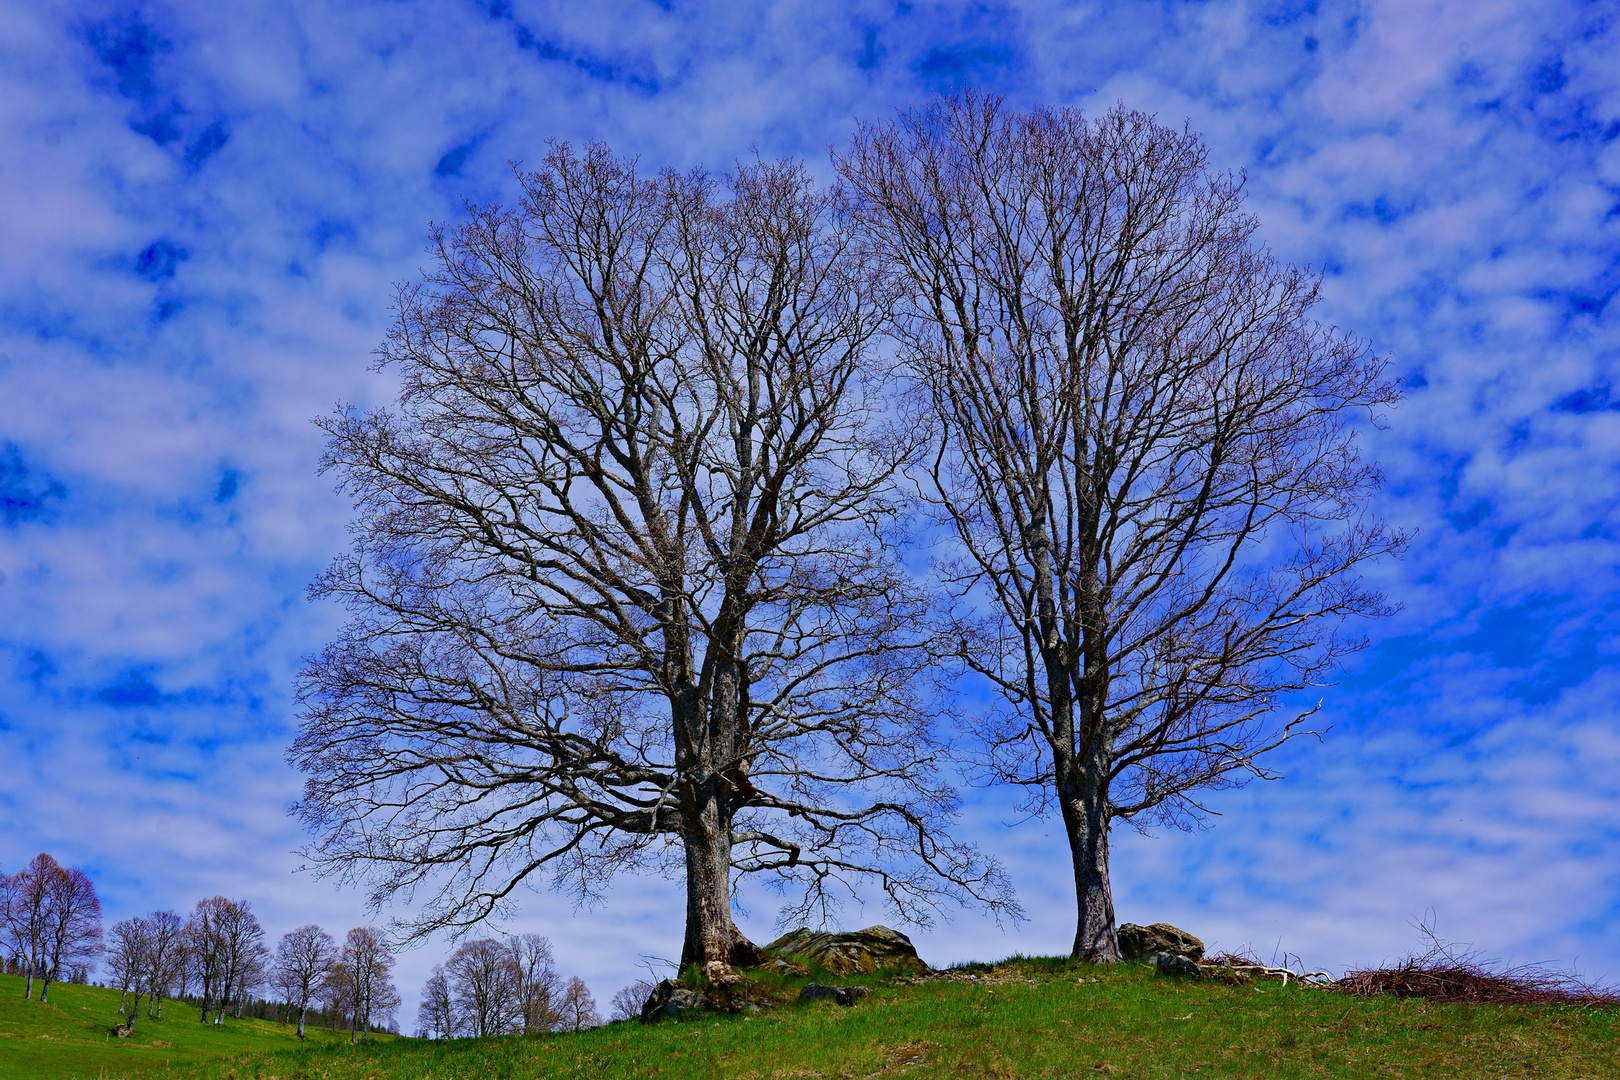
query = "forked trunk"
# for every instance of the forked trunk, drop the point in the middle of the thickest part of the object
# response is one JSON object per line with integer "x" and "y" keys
{"x": 1085, "y": 819}
{"x": 710, "y": 933}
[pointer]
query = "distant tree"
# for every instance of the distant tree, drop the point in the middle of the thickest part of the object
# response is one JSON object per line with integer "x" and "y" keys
{"x": 540, "y": 988}
{"x": 487, "y": 987}
{"x": 205, "y": 949}
{"x": 370, "y": 964}
{"x": 246, "y": 957}
{"x": 1143, "y": 444}
{"x": 26, "y": 911}
{"x": 621, "y": 574}
{"x": 304, "y": 959}
{"x": 72, "y": 917}
{"x": 436, "y": 1016}
{"x": 337, "y": 995}
{"x": 127, "y": 958}
{"x": 578, "y": 1007}
{"x": 165, "y": 958}
{"x": 628, "y": 1001}
{"x": 226, "y": 948}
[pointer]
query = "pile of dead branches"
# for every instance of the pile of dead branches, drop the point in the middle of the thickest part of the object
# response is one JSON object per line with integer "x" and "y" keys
{"x": 1446, "y": 973}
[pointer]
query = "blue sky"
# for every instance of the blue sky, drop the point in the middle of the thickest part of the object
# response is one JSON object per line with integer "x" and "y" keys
{"x": 206, "y": 205}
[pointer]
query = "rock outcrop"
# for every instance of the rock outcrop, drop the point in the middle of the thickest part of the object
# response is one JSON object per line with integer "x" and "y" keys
{"x": 859, "y": 952}
{"x": 1147, "y": 943}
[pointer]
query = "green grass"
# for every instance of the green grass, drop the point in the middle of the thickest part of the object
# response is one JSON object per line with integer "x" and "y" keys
{"x": 1128, "y": 1024}
{"x": 68, "y": 1038}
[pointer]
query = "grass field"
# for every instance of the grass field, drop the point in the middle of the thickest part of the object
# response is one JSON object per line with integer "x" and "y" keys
{"x": 1041, "y": 1019}
{"x": 68, "y": 1038}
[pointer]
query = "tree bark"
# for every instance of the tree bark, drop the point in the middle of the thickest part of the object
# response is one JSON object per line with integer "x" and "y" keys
{"x": 710, "y": 932}
{"x": 1085, "y": 821}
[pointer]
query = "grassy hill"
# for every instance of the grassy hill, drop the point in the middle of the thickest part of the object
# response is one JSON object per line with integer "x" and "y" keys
{"x": 68, "y": 1038}
{"x": 1024, "y": 1019}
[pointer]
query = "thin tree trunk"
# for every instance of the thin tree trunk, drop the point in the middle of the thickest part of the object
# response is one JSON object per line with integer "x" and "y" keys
{"x": 301, "y": 1011}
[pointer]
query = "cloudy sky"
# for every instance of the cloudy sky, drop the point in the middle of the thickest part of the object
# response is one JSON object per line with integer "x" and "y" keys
{"x": 205, "y": 207}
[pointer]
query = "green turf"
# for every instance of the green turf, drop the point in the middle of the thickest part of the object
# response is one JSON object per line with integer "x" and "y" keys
{"x": 68, "y": 1037}
{"x": 1128, "y": 1024}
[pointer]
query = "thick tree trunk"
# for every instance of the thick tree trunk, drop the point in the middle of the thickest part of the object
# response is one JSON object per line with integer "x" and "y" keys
{"x": 710, "y": 933}
{"x": 302, "y": 1012}
{"x": 1095, "y": 937}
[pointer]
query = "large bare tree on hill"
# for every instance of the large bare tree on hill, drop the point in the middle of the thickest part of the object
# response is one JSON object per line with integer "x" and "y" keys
{"x": 1145, "y": 450}
{"x": 619, "y": 580}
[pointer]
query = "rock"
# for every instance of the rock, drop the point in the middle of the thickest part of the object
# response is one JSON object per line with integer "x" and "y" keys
{"x": 719, "y": 972}
{"x": 843, "y": 995}
{"x": 1143, "y": 942}
{"x": 1177, "y": 966}
{"x": 862, "y": 951}
{"x": 781, "y": 965}
{"x": 669, "y": 998}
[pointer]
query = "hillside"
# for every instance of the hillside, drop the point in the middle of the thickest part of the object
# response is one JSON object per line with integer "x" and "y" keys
{"x": 1025, "y": 1019}
{"x": 68, "y": 1038}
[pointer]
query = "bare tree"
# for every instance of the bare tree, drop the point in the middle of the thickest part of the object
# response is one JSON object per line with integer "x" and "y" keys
{"x": 539, "y": 986}
{"x": 436, "y": 1015}
{"x": 127, "y": 958}
{"x": 1144, "y": 448}
{"x": 487, "y": 988}
{"x": 72, "y": 924}
{"x": 619, "y": 575}
{"x": 304, "y": 958}
{"x": 242, "y": 956}
{"x": 205, "y": 949}
{"x": 628, "y": 1001}
{"x": 578, "y": 1007}
{"x": 225, "y": 945}
{"x": 366, "y": 956}
{"x": 165, "y": 958}
{"x": 26, "y": 912}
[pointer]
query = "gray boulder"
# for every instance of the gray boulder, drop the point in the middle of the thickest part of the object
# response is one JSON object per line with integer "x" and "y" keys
{"x": 843, "y": 995}
{"x": 669, "y": 999}
{"x": 1147, "y": 942}
{"x": 857, "y": 952}
{"x": 1177, "y": 966}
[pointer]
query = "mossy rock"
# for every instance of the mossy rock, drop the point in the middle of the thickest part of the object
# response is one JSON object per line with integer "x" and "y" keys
{"x": 860, "y": 952}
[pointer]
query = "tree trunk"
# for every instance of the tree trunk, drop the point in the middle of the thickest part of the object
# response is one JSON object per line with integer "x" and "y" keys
{"x": 28, "y": 987}
{"x": 45, "y": 987}
{"x": 1086, "y": 822}
{"x": 710, "y": 933}
{"x": 302, "y": 1011}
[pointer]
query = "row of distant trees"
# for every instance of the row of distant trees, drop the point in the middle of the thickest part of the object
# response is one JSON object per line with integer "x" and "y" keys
{"x": 216, "y": 959}
{"x": 490, "y": 987}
